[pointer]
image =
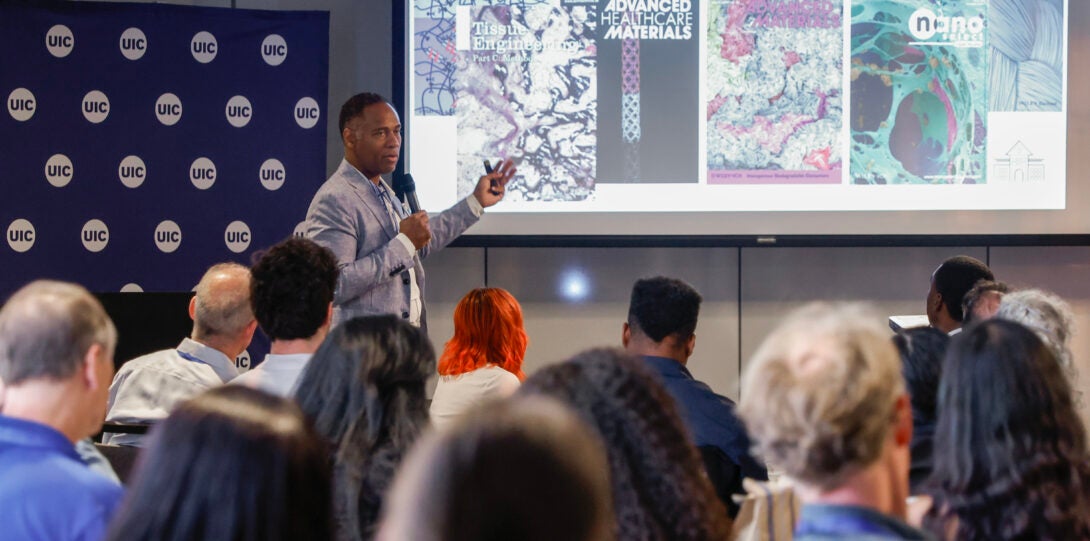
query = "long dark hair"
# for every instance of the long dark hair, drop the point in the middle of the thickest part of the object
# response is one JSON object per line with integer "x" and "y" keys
{"x": 364, "y": 390}
{"x": 1010, "y": 459}
{"x": 231, "y": 464}
{"x": 660, "y": 489}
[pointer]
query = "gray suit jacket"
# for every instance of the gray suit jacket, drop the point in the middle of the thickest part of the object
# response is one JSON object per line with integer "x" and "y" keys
{"x": 347, "y": 217}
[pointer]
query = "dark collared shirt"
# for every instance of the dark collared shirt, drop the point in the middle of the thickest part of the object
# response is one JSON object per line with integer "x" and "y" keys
{"x": 46, "y": 492}
{"x": 820, "y": 522}
{"x": 717, "y": 432}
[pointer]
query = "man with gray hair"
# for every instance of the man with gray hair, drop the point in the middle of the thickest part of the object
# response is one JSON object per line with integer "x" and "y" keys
{"x": 825, "y": 402}
{"x": 147, "y": 388}
{"x": 56, "y": 361}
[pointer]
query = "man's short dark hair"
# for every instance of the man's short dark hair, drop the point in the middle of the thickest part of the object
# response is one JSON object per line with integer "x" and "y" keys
{"x": 662, "y": 307}
{"x": 955, "y": 277}
{"x": 356, "y": 104}
{"x": 292, "y": 286}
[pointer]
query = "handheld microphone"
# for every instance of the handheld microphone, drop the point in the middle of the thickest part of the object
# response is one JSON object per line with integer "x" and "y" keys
{"x": 408, "y": 188}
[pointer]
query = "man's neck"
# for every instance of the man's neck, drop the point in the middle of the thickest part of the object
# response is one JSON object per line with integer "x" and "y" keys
{"x": 373, "y": 177}
{"x": 872, "y": 487}
{"x": 49, "y": 403}
{"x": 644, "y": 347}
{"x": 297, "y": 346}
{"x": 230, "y": 348}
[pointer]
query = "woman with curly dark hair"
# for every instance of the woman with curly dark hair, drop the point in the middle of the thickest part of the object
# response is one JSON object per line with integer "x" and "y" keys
{"x": 364, "y": 390}
{"x": 660, "y": 490}
{"x": 1010, "y": 455}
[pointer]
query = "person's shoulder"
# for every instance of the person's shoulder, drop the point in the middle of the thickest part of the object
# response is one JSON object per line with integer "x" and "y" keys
{"x": 148, "y": 360}
{"x": 46, "y": 474}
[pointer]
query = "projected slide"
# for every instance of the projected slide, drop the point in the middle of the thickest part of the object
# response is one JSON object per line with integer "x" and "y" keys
{"x": 740, "y": 105}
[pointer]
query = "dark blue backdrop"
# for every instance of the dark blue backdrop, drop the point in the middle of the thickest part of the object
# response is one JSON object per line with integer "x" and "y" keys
{"x": 60, "y": 65}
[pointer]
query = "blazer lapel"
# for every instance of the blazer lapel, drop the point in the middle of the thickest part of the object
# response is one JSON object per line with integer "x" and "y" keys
{"x": 375, "y": 205}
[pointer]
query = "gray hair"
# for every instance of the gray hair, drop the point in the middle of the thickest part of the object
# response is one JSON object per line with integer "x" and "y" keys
{"x": 1047, "y": 315}
{"x": 47, "y": 327}
{"x": 820, "y": 394}
{"x": 223, "y": 301}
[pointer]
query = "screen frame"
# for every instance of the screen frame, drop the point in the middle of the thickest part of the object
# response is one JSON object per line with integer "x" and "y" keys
{"x": 1067, "y": 227}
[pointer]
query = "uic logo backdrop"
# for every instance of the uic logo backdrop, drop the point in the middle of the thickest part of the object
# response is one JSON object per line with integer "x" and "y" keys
{"x": 139, "y": 144}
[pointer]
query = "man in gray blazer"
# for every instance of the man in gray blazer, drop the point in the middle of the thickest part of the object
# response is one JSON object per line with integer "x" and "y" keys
{"x": 378, "y": 245}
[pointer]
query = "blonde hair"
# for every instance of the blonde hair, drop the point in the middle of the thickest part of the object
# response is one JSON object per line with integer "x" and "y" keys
{"x": 820, "y": 393}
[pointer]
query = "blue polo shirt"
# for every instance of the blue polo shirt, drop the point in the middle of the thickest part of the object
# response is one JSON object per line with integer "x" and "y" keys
{"x": 826, "y": 522}
{"x": 46, "y": 492}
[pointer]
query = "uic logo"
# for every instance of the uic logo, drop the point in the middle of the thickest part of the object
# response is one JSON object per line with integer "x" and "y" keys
{"x": 272, "y": 174}
{"x": 96, "y": 107}
{"x": 95, "y": 235}
{"x": 242, "y": 362}
{"x": 21, "y": 235}
{"x": 168, "y": 236}
{"x": 202, "y": 173}
{"x": 239, "y": 111}
{"x": 203, "y": 46}
{"x": 300, "y": 230}
{"x": 237, "y": 236}
{"x": 59, "y": 41}
{"x": 168, "y": 109}
{"x": 132, "y": 287}
{"x": 58, "y": 170}
{"x": 132, "y": 171}
{"x": 306, "y": 113}
{"x": 274, "y": 50}
{"x": 133, "y": 43}
{"x": 21, "y": 104}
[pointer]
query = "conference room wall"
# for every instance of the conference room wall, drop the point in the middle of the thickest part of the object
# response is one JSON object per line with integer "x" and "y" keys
{"x": 746, "y": 290}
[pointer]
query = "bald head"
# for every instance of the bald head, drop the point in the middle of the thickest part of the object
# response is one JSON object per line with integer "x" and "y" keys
{"x": 46, "y": 329}
{"x": 221, "y": 307}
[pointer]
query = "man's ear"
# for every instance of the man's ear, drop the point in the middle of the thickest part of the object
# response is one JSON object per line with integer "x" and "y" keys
{"x": 902, "y": 430}
{"x": 347, "y": 138}
{"x": 91, "y": 368}
{"x": 690, "y": 345}
{"x": 626, "y": 334}
{"x": 193, "y": 308}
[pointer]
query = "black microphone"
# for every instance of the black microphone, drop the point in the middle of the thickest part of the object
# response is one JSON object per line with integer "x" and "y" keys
{"x": 408, "y": 189}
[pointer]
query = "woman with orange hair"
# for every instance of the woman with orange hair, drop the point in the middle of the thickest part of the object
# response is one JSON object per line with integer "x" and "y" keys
{"x": 484, "y": 358}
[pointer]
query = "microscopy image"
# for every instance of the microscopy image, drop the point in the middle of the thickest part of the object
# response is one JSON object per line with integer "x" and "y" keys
{"x": 774, "y": 81}
{"x": 526, "y": 88}
{"x": 1026, "y": 63}
{"x": 919, "y": 75}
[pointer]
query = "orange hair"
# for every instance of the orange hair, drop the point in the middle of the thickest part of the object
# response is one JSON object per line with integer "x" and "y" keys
{"x": 487, "y": 330}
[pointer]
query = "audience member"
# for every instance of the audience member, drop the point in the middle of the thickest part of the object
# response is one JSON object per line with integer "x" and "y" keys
{"x": 56, "y": 363}
{"x": 982, "y": 301}
{"x": 660, "y": 490}
{"x": 922, "y": 350}
{"x": 231, "y": 464}
{"x": 484, "y": 358}
{"x": 1010, "y": 456}
{"x": 824, "y": 399}
{"x": 1047, "y": 315}
{"x": 949, "y": 283}
{"x": 661, "y": 329}
{"x": 292, "y": 297}
{"x": 145, "y": 389}
{"x": 365, "y": 393}
{"x": 524, "y": 469}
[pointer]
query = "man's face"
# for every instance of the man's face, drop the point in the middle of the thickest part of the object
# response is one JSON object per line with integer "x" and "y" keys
{"x": 372, "y": 140}
{"x": 934, "y": 301}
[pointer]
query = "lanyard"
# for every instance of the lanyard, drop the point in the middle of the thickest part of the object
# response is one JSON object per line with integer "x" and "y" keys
{"x": 189, "y": 357}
